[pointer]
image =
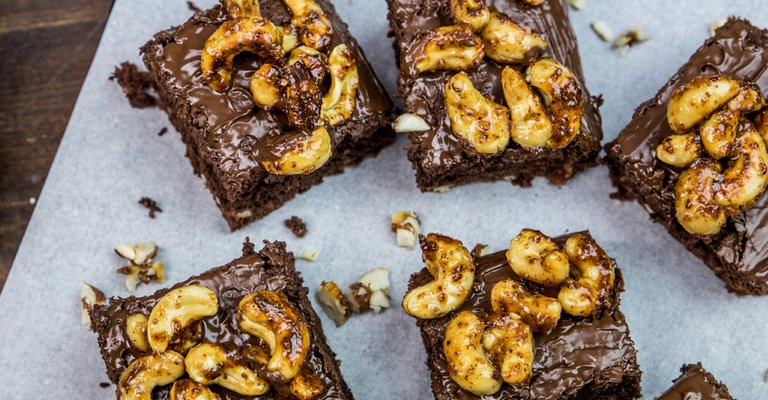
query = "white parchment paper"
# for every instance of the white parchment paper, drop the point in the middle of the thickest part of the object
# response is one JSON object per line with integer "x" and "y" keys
{"x": 111, "y": 156}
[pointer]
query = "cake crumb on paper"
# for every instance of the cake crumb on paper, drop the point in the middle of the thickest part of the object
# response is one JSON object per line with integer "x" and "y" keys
{"x": 151, "y": 206}
{"x": 162, "y": 131}
{"x": 136, "y": 85}
{"x": 296, "y": 225}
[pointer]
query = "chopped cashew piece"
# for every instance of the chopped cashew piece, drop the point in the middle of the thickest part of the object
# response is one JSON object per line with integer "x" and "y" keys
{"x": 592, "y": 290}
{"x": 539, "y": 312}
{"x": 474, "y": 13}
{"x": 359, "y": 297}
{"x": 308, "y": 255}
{"x": 746, "y": 178}
{"x": 530, "y": 124}
{"x": 602, "y": 30}
{"x": 147, "y": 372}
{"x": 467, "y": 362}
{"x": 309, "y": 19}
{"x": 271, "y": 317}
{"x": 139, "y": 253}
{"x": 299, "y": 152}
{"x": 451, "y": 48}
{"x": 178, "y": 310}
{"x": 695, "y": 206}
{"x": 450, "y": 263}
{"x": 187, "y": 389}
{"x": 679, "y": 150}
{"x": 634, "y": 36}
{"x": 339, "y": 102}
{"x": 507, "y": 42}
{"x": 535, "y": 257}
{"x": 577, "y": 4}
{"x": 482, "y": 122}
{"x": 89, "y": 297}
{"x": 562, "y": 93}
{"x": 410, "y": 122}
{"x": 210, "y": 363}
{"x": 407, "y": 227}
{"x": 145, "y": 273}
{"x": 334, "y": 303}
{"x": 696, "y": 100}
{"x": 510, "y": 344}
{"x": 136, "y": 327}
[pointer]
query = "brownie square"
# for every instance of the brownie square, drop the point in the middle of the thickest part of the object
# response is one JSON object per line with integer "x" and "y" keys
{"x": 696, "y": 383}
{"x": 225, "y": 132}
{"x": 443, "y": 160}
{"x": 580, "y": 358}
{"x": 737, "y": 253}
{"x": 272, "y": 268}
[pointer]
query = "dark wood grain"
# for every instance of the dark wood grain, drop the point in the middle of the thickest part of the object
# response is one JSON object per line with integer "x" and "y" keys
{"x": 47, "y": 47}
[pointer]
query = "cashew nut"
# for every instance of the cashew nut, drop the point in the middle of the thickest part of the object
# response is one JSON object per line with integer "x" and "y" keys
{"x": 536, "y": 258}
{"x": 187, "y": 389}
{"x": 339, "y": 102}
{"x": 482, "y": 122}
{"x": 471, "y": 12}
{"x": 290, "y": 40}
{"x": 210, "y": 363}
{"x": 746, "y": 178}
{"x": 145, "y": 373}
{"x": 592, "y": 290}
{"x": 242, "y": 8}
{"x": 509, "y": 343}
{"x": 695, "y": 206}
{"x": 464, "y": 354}
{"x": 256, "y": 35}
{"x": 271, "y": 317}
{"x": 562, "y": 93}
{"x": 452, "y": 48}
{"x": 718, "y": 132}
{"x": 265, "y": 87}
{"x": 679, "y": 150}
{"x": 507, "y": 42}
{"x": 539, "y": 312}
{"x": 299, "y": 152}
{"x": 691, "y": 103}
{"x": 136, "y": 327}
{"x": 178, "y": 310}
{"x": 313, "y": 25}
{"x": 307, "y": 386}
{"x": 451, "y": 264}
{"x": 530, "y": 124}
{"x": 749, "y": 99}
{"x": 315, "y": 61}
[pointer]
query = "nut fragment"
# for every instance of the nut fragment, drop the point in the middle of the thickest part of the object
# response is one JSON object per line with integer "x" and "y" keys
{"x": 679, "y": 150}
{"x": 334, "y": 303}
{"x": 176, "y": 311}
{"x": 482, "y": 122}
{"x": 696, "y": 100}
{"x": 453, "y": 269}
{"x": 339, "y": 102}
{"x": 717, "y": 25}
{"x": 271, "y": 317}
{"x": 634, "y": 36}
{"x": 592, "y": 290}
{"x": 307, "y": 386}
{"x": 147, "y": 372}
{"x": 309, "y": 19}
{"x": 187, "y": 389}
{"x": 746, "y": 178}
{"x": 407, "y": 227}
{"x": 135, "y": 274}
{"x": 359, "y": 297}
{"x": 467, "y": 363}
{"x": 315, "y": 61}
{"x": 577, "y": 4}
{"x": 603, "y": 31}
{"x": 89, "y": 297}
{"x": 695, "y": 206}
{"x": 562, "y": 93}
{"x": 242, "y": 8}
{"x": 265, "y": 85}
{"x": 530, "y": 124}
{"x": 539, "y": 312}
{"x": 508, "y": 42}
{"x": 137, "y": 253}
{"x": 136, "y": 327}
{"x": 471, "y": 12}
{"x": 309, "y": 254}
{"x": 376, "y": 281}
{"x": 451, "y": 48}
{"x": 210, "y": 363}
{"x": 410, "y": 122}
{"x": 299, "y": 152}
{"x": 536, "y": 258}
{"x": 509, "y": 342}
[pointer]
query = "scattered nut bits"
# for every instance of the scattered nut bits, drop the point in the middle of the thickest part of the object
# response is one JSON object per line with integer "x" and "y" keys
{"x": 334, "y": 303}
{"x": 409, "y": 122}
{"x": 407, "y": 227}
{"x": 717, "y": 25}
{"x": 370, "y": 292}
{"x": 376, "y": 283}
{"x": 577, "y": 4}
{"x": 139, "y": 253}
{"x": 603, "y": 31}
{"x": 309, "y": 254}
{"x": 141, "y": 269}
{"x": 89, "y": 296}
{"x": 634, "y": 36}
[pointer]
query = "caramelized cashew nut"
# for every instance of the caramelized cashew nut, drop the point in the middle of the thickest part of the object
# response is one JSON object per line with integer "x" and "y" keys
{"x": 147, "y": 372}
{"x": 265, "y": 85}
{"x": 474, "y": 13}
{"x": 679, "y": 150}
{"x": 314, "y": 27}
{"x": 482, "y": 122}
{"x": 299, "y": 152}
{"x": 507, "y": 42}
{"x": 451, "y": 264}
{"x": 509, "y": 343}
{"x": 539, "y": 312}
{"x": 746, "y": 178}
{"x": 136, "y": 327}
{"x": 187, "y": 389}
{"x": 592, "y": 290}
{"x": 271, "y": 317}
{"x": 210, "y": 363}
{"x": 307, "y": 386}
{"x": 339, "y": 102}
{"x": 695, "y": 206}
{"x": 562, "y": 93}
{"x": 451, "y": 48}
{"x": 242, "y": 8}
{"x": 467, "y": 363}
{"x": 691, "y": 103}
{"x": 177, "y": 311}
{"x": 535, "y": 257}
{"x": 530, "y": 124}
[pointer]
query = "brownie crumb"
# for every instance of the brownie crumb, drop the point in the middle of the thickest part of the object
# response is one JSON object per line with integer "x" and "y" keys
{"x": 193, "y": 7}
{"x": 104, "y": 385}
{"x": 162, "y": 131}
{"x": 248, "y": 247}
{"x": 296, "y": 225}
{"x": 136, "y": 85}
{"x": 150, "y": 205}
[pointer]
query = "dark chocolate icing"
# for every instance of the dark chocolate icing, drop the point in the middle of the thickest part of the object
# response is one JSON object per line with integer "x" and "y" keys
{"x": 567, "y": 359}
{"x": 737, "y": 51}
{"x": 424, "y": 94}
{"x": 695, "y": 383}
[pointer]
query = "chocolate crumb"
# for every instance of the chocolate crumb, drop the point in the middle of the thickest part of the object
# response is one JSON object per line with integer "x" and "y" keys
{"x": 136, "y": 85}
{"x": 162, "y": 131}
{"x": 248, "y": 247}
{"x": 193, "y": 7}
{"x": 150, "y": 205}
{"x": 104, "y": 385}
{"x": 296, "y": 225}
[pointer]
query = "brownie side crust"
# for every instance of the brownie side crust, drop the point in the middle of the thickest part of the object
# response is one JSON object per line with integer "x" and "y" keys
{"x": 696, "y": 383}
{"x": 738, "y": 254}
{"x": 441, "y": 159}
{"x": 581, "y": 358}
{"x": 222, "y": 131}
{"x": 272, "y": 268}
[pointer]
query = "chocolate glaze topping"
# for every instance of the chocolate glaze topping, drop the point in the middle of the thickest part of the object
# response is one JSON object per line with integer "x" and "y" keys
{"x": 696, "y": 383}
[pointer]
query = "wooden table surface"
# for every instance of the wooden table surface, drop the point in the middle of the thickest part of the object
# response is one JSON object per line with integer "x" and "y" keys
{"x": 47, "y": 47}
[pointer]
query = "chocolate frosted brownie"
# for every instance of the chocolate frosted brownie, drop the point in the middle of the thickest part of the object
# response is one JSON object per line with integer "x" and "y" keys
{"x": 696, "y": 383}
{"x": 703, "y": 178}
{"x": 299, "y": 101}
{"x": 535, "y": 119}
{"x": 213, "y": 332}
{"x": 531, "y": 340}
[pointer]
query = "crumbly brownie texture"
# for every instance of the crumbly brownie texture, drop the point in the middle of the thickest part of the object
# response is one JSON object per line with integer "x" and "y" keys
{"x": 738, "y": 254}
{"x": 222, "y": 131}
{"x": 581, "y": 358}
{"x": 442, "y": 160}
{"x": 136, "y": 85}
{"x": 696, "y": 383}
{"x": 272, "y": 269}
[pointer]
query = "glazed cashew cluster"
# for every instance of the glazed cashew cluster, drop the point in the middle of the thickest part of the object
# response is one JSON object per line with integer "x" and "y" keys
{"x": 173, "y": 339}
{"x": 544, "y": 106}
{"x": 721, "y": 149}
{"x": 484, "y": 352}
{"x": 296, "y": 63}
